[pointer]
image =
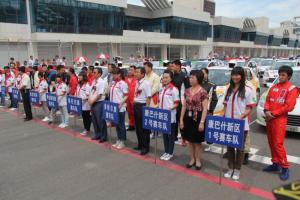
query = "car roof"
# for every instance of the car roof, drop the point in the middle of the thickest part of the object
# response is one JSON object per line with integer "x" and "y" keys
{"x": 219, "y": 67}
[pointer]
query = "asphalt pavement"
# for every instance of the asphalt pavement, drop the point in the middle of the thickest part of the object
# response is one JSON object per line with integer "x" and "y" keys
{"x": 45, "y": 162}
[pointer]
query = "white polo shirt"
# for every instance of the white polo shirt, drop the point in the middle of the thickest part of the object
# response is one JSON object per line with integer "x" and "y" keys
{"x": 118, "y": 91}
{"x": 98, "y": 88}
{"x": 236, "y": 106}
{"x": 168, "y": 96}
{"x": 83, "y": 92}
{"x": 25, "y": 82}
{"x": 142, "y": 91}
{"x": 60, "y": 89}
{"x": 43, "y": 89}
{"x": 10, "y": 83}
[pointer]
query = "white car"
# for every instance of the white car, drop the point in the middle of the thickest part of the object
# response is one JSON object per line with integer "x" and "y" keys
{"x": 204, "y": 64}
{"x": 264, "y": 65}
{"x": 293, "y": 123}
{"x": 272, "y": 73}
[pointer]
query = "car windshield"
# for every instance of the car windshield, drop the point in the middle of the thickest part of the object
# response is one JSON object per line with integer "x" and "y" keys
{"x": 200, "y": 65}
{"x": 220, "y": 77}
{"x": 277, "y": 65}
{"x": 266, "y": 63}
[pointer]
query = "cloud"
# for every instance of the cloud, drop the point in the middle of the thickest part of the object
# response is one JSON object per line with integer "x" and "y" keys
{"x": 276, "y": 10}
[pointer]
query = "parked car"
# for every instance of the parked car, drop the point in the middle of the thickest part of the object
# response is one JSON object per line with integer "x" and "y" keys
{"x": 293, "y": 123}
{"x": 264, "y": 65}
{"x": 272, "y": 73}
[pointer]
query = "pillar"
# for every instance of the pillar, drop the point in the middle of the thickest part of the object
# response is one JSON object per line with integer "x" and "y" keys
{"x": 164, "y": 52}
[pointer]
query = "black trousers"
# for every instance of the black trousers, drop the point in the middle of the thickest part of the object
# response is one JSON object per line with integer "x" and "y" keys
{"x": 87, "y": 119}
{"x": 178, "y": 112}
{"x": 26, "y": 103}
{"x": 143, "y": 136}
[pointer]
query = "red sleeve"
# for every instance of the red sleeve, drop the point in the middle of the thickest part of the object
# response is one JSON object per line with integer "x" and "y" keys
{"x": 267, "y": 103}
{"x": 73, "y": 85}
{"x": 289, "y": 104}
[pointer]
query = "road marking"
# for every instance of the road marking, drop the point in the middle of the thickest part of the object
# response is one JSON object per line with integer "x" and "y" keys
{"x": 169, "y": 165}
{"x": 258, "y": 158}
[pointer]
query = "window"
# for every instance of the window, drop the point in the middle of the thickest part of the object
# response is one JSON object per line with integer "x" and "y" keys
{"x": 226, "y": 34}
{"x": 13, "y": 11}
{"x": 71, "y": 16}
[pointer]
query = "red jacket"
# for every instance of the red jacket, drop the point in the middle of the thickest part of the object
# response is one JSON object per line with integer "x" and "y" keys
{"x": 131, "y": 87}
{"x": 281, "y": 99}
{"x": 73, "y": 84}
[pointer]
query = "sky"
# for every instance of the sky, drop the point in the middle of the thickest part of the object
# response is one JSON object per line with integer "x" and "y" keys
{"x": 276, "y": 10}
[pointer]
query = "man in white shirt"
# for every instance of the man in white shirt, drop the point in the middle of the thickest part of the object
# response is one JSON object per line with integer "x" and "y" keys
{"x": 9, "y": 84}
{"x": 2, "y": 90}
{"x": 142, "y": 97}
{"x": 154, "y": 81}
{"x": 96, "y": 98}
{"x": 24, "y": 88}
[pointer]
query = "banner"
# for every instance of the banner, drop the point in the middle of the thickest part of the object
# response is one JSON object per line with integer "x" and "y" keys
{"x": 74, "y": 105}
{"x": 225, "y": 131}
{"x": 34, "y": 97}
{"x": 110, "y": 112}
{"x": 155, "y": 119}
{"x": 51, "y": 100}
{"x": 16, "y": 96}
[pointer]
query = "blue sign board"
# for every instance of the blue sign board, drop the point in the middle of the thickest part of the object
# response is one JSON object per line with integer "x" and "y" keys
{"x": 51, "y": 100}
{"x": 34, "y": 97}
{"x": 74, "y": 105}
{"x": 110, "y": 112}
{"x": 3, "y": 91}
{"x": 225, "y": 131}
{"x": 155, "y": 119}
{"x": 15, "y": 96}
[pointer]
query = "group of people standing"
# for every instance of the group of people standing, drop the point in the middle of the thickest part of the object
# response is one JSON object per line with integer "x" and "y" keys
{"x": 189, "y": 98}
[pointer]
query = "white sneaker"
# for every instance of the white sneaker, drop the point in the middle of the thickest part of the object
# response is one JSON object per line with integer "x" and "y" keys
{"x": 61, "y": 125}
{"x": 1, "y": 106}
{"x": 45, "y": 119}
{"x": 13, "y": 109}
{"x": 208, "y": 148}
{"x": 65, "y": 125}
{"x": 179, "y": 141}
{"x": 83, "y": 133}
{"x": 168, "y": 157}
{"x": 121, "y": 145}
{"x": 152, "y": 136}
{"x": 116, "y": 144}
{"x": 163, "y": 156}
{"x": 228, "y": 174}
{"x": 236, "y": 175}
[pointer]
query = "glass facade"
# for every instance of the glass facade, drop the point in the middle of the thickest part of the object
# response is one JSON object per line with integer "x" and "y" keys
{"x": 177, "y": 27}
{"x": 274, "y": 41}
{"x": 13, "y": 11}
{"x": 257, "y": 38}
{"x": 227, "y": 34}
{"x": 291, "y": 43}
{"x": 285, "y": 41}
{"x": 71, "y": 16}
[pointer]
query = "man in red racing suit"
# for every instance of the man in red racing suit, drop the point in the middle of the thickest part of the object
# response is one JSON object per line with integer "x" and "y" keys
{"x": 281, "y": 99}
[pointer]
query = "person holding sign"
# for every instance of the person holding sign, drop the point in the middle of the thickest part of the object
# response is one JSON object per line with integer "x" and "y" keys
{"x": 119, "y": 95}
{"x": 238, "y": 104}
{"x": 280, "y": 100}
{"x": 83, "y": 92}
{"x": 96, "y": 98}
{"x": 169, "y": 100}
{"x": 61, "y": 93}
{"x": 2, "y": 91}
{"x": 9, "y": 83}
{"x": 43, "y": 89}
{"x": 24, "y": 88}
{"x": 142, "y": 97}
{"x": 192, "y": 118}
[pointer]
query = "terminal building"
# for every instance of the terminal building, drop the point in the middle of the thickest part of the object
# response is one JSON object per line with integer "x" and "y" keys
{"x": 161, "y": 29}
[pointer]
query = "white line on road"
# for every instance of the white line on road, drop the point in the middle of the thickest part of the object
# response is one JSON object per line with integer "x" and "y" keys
{"x": 257, "y": 158}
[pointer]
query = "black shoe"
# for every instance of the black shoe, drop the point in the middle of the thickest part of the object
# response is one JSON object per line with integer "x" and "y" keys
{"x": 189, "y": 166}
{"x": 198, "y": 168}
{"x": 137, "y": 148}
{"x": 246, "y": 159}
{"x": 102, "y": 141}
{"x": 94, "y": 138}
{"x": 225, "y": 155}
{"x": 50, "y": 122}
{"x": 130, "y": 128}
{"x": 144, "y": 152}
{"x": 26, "y": 120}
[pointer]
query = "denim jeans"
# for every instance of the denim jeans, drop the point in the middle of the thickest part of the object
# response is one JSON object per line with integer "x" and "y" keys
{"x": 2, "y": 100}
{"x": 169, "y": 140}
{"x": 64, "y": 115}
{"x": 120, "y": 127}
{"x": 99, "y": 124}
